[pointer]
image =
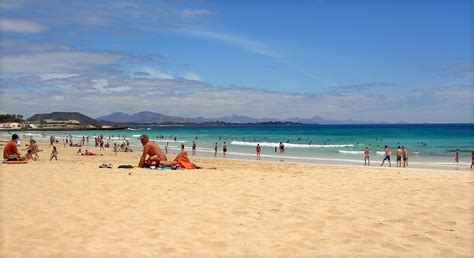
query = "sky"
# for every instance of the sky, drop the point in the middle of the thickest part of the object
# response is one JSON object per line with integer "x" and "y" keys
{"x": 370, "y": 60}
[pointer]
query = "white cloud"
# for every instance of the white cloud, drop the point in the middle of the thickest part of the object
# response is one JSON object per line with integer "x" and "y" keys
{"x": 21, "y": 26}
{"x": 195, "y": 12}
{"x": 192, "y": 76}
{"x": 182, "y": 97}
{"x": 242, "y": 42}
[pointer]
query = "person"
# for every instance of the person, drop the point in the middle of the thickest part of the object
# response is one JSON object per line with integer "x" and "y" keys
{"x": 10, "y": 152}
{"x": 54, "y": 154}
{"x": 258, "y": 149}
{"x": 405, "y": 156}
{"x": 88, "y": 153}
{"x": 472, "y": 157}
{"x": 367, "y": 156}
{"x": 215, "y": 149}
{"x": 182, "y": 146}
{"x": 29, "y": 155}
{"x": 79, "y": 152}
{"x": 387, "y": 153}
{"x": 194, "y": 147}
{"x": 282, "y": 147}
{"x": 456, "y": 156}
{"x": 224, "y": 149}
{"x": 115, "y": 148}
{"x": 156, "y": 157}
{"x": 399, "y": 157}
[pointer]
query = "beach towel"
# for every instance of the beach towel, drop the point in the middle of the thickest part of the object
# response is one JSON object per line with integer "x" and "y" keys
{"x": 14, "y": 161}
{"x": 185, "y": 163}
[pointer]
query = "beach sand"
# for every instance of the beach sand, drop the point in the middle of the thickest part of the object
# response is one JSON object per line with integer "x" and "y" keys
{"x": 71, "y": 207}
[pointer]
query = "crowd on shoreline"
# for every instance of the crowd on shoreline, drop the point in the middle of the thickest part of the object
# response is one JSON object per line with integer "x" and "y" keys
{"x": 11, "y": 153}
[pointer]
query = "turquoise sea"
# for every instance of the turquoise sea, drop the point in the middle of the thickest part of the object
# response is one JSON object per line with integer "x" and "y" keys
{"x": 429, "y": 145}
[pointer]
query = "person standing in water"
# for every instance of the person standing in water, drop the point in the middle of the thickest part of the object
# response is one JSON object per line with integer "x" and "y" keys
{"x": 258, "y": 149}
{"x": 456, "y": 156}
{"x": 216, "y": 147}
{"x": 194, "y": 148}
{"x": 367, "y": 156}
{"x": 405, "y": 156}
{"x": 224, "y": 149}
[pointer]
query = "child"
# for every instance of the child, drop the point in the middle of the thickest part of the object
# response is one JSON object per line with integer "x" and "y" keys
{"x": 54, "y": 154}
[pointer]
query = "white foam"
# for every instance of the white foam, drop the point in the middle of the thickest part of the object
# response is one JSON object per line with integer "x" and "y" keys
{"x": 290, "y": 145}
{"x": 351, "y": 152}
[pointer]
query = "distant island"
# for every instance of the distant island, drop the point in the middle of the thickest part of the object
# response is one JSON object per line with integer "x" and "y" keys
{"x": 119, "y": 120}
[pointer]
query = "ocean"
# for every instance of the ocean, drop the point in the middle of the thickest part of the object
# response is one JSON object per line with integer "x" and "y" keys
{"x": 429, "y": 145}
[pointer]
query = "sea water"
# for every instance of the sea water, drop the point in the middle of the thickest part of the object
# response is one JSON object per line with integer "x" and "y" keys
{"x": 429, "y": 145}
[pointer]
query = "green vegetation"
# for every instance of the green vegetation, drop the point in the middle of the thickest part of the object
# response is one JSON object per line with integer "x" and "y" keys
{"x": 9, "y": 118}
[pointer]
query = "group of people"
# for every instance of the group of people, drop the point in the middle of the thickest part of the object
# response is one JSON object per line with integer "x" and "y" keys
{"x": 402, "y": 154}
{"x": 11, "y": 152}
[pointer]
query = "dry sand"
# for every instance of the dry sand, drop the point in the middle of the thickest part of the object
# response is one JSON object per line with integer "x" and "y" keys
{"x": 72, "y": 207}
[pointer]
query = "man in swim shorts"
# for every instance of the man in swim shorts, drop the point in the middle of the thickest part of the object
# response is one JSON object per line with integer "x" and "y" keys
{"x": 405, "y": 156}
{"x": 387, "y": 152}
{"x": 399, "y": 157}
{"x": 156, "y": 156}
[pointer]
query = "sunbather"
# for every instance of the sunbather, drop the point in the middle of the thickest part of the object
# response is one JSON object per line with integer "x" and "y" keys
{"x": 156, "y": 157}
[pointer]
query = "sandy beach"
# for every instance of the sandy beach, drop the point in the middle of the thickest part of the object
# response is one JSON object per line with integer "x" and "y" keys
{"x": 71, "y": 207}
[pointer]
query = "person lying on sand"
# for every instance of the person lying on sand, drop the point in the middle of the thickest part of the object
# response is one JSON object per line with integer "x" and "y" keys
{"x": 10, "y": 152}
{"x": 156, "y": 157}
{"x": 88, "y": 153}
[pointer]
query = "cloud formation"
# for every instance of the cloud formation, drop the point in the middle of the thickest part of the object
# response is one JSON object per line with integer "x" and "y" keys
{"x": 195, "y": 12}
{"x": 20, "y": 26}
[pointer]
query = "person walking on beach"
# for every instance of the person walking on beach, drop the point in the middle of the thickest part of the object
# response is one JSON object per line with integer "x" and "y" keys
{"x": 194, "y": 147}
{"x": 405, "y": 156}
{"x": 258, "y": 149}
{"x": 399, "y": 157}
{"x": 182, "y": 146}
{"x": 387, "y": 153}
{"x": 215, "y": 149}
{"x": 54, "y": 154}
{"x": 224, "y": 149}
{"x": 456, "y": 156}
{"x": 367, "y": 156}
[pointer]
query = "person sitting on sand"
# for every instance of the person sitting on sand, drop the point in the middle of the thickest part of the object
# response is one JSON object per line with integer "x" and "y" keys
{"x": 156, "y": 157}
{"x": 10, "y": 152}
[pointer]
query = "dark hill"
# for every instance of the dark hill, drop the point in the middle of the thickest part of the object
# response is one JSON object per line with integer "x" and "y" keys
{"x": 83, "y": 119}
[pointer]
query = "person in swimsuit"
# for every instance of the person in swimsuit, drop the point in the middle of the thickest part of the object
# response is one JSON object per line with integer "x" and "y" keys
{"x": 367, "y": 156}
{"x": 405, "y": 156}
{"x": 156, "y": 156}
{"x": 54, "y": 154}
{"x": 456, "y": 156}
{"x": 194, "y": 147}
{"x": 215, "y": 149}
{"x": 387, "y": 152}
{"x": 258, "y": 149}
{"x": 224, "y": 149}
{"x": 399, "y": 157}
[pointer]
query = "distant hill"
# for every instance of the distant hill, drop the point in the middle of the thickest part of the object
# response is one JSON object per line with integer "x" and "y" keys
{"x": 83, "y": 119}
{"x": 152, "y": 117}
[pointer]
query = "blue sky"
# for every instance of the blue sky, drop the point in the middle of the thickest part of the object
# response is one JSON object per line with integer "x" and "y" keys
{"x": 363, "y": 60}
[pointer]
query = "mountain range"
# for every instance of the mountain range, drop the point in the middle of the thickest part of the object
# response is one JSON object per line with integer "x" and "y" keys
{"x": 152, "y": 117}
